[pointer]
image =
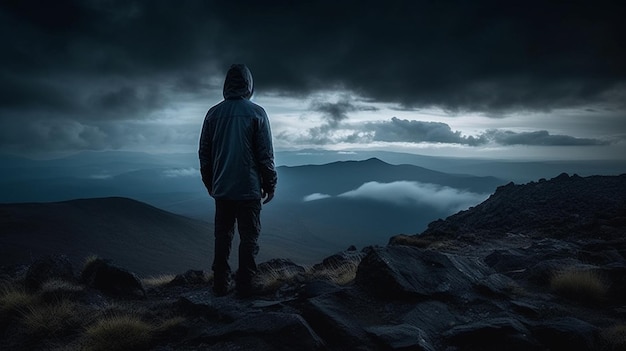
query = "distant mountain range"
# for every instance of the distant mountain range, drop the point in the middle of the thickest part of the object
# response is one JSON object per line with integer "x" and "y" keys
{"x": 318, "y": 208}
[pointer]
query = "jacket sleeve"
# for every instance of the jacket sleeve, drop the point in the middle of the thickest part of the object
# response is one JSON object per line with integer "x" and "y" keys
{"x": 206, "y": 157}
{"x": 264, "y": 153}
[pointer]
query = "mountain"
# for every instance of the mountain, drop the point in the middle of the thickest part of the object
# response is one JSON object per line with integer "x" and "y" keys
{"x": 519, "y": 171}
{"x": 536, "y": 266}
{"x": 341, "y": 176}
{"x": 143, "y": 238}
{"x": 317, "y": 208}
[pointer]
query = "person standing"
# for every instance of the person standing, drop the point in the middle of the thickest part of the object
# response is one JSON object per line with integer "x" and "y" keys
{"x": 237, "y": 167}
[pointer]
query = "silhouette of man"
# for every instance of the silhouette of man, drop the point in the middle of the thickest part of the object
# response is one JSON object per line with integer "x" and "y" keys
{"x": 237, "y": 166}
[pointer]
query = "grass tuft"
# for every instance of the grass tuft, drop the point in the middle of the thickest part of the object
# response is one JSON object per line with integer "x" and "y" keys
{"x": 119, "y": 333}
{"x": 581, "y": 285}
{"x": 614, "y": 338}
{"x": 340, "y": 274}
{"x": 14, "y": 300}
{"x": 273, "y": 279}
{"x": 60, "y": 318}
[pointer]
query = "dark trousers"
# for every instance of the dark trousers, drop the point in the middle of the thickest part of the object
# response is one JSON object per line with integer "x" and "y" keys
{"x": 246, "y": 214}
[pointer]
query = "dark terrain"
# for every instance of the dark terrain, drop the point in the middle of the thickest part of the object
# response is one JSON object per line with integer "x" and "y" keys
{"x": 539, "y": 266}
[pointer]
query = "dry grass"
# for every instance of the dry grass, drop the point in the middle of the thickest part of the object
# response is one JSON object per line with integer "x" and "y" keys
{"x": 157, "y": 281}
{"x": 341, "y": 274}
{"x": 275, "y": 278}
{"x": 60, "y": 318}
{"x": 582, "y": 285}
{"x": 89, "y": 260}
{"x": 614, "y": 338}
{"x": 122, "y": 332}
{"x": 13, "y": 300}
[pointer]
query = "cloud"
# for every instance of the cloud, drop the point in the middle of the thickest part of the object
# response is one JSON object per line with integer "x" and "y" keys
{"x": 315, "y": 196}
{"x": 335, "y": 112}
{"x": 398, "y": 130}
{"x": 478, "y": 56}
{"x": 92, "y": 62}
{"x": 540, "y": 137}
{"x": 181, "y": 172}
{"x": 33, "y": 134}
{"x": 407, "y": 192}
{"x": 402, "y": 130}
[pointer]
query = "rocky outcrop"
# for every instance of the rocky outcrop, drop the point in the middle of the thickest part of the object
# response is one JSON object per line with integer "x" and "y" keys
{"x": 562, "y": 207}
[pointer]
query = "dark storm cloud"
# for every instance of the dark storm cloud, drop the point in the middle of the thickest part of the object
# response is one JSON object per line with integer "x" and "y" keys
{"x": 539, "y": 138}
{"x": 479, "y": 55}
{"x": 335, "y": 112}
{"x": 412, "y": 131}
{"x": 417, "y": 131}
{"x": 93, "y": 61}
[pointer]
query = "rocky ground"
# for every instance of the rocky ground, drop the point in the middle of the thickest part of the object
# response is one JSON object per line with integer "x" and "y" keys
{"x": 540, "y": 266}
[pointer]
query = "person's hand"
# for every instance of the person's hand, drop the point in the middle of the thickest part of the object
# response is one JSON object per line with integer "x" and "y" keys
{"x": 268, "y": 197}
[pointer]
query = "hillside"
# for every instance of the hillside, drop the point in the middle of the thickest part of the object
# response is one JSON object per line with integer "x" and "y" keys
{"x": 562, "y": 207}
{"x": 143, "y": 238}
{"x": 537, "y": 266}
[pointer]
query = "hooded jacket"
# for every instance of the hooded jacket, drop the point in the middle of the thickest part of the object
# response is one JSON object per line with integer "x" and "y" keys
{"x": 236, "y": 153}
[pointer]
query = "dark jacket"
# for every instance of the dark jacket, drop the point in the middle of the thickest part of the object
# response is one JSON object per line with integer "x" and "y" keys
{"x": 236, "y": 154}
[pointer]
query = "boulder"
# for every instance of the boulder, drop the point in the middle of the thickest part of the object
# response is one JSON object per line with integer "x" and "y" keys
{"x": 100, "y": 274}
{"x": 410, "y": 272}
{"x": 332, "y": 317}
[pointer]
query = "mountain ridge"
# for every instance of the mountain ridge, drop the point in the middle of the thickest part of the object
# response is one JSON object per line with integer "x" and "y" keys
{"x": 144, "y": 238}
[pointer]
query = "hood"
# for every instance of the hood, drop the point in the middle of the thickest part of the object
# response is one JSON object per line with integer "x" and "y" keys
{"x": 238, "y": 83}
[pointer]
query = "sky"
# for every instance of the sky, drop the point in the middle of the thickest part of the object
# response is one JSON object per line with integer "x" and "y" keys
{"x": 495, "y": 79}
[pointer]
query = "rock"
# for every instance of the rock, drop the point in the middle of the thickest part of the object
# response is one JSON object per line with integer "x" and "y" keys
{"x": 507, "y": 261}
{"x": 204, "y": 303}
{"x": 279, "y": 266}
{"x": 281, "y": 331}
{"x": 400, "y": 337}
{"x": 493, "y": 334}
{"x": 496, "y": 285}
{"x": 403, "y": 271}
{"x": 332, "y": 318}
{"x": 566, "y": 333}
{"x": 433, "y": 317}
{"x": 191, "y": 277}
{"x": 101, "y": 275}
{"x": 319, "y": 287}
{"x": 44, "y": 269}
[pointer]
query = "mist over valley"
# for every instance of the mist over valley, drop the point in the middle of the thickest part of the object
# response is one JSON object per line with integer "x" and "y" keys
{"x": 325, "y": 203}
